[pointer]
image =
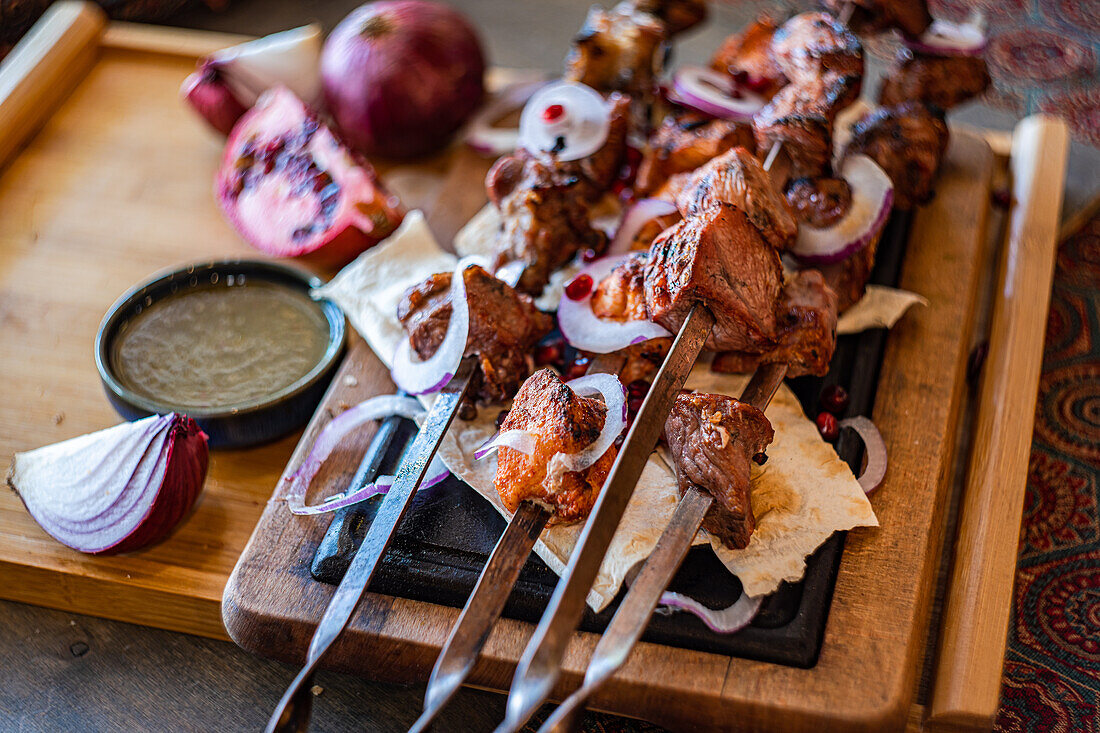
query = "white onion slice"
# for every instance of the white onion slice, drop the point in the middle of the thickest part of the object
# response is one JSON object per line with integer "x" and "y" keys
{"x": 581, "y": 130}
{"x": 587, "y": 332}
{"x": 510, "y": 272}
{"x": 722, "y": 621}
{"x": 709, "y": 92}
{"x": 614, "y": 397}
{"x": 290, "y": 58}
{"x": 874, "y": 449}
{"x": 872, "y": 199}
{"x": 521, "y": 440}
{"x": 431, "y": 375}
{"x": 945, "y": 38}
{"x": 437, "y": 472}
{"x": 636, "y": 217}
{"x": 486, "y": 139}
{"x": 331, "y": 436}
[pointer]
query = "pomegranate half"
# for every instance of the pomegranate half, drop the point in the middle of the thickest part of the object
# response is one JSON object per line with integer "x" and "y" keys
{"x": 292, "y": 189}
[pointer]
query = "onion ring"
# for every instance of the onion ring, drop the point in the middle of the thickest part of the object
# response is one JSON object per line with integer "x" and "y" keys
{"x": 721, "y": 621}
{"x": 703, "y": 89}
{"x": 636, "y": 217}
{"x": 874, "y": 448}
{"x": 614, "y": 397}
{"x": 520, "y": 440}
{"x": 580, "y": 129}
{"x": 482, "y": 137}
{"x": 945, "y": 38}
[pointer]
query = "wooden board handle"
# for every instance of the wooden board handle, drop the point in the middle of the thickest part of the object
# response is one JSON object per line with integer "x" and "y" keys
{"x": 979, "y": 601}
{"x": 43, "y": 69}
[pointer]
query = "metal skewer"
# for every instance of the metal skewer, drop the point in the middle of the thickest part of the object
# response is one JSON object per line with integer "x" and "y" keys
{"x": 633, "y": 615}
{"x": 293, "y": 710}
{"x": 540, "y": 666}
{"x": 495, "y": 584}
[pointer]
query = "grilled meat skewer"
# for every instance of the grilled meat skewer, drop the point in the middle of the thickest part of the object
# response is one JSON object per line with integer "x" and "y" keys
{"x": 941, "y": 80}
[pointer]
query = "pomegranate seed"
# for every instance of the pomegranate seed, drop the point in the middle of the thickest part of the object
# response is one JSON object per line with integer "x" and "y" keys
{"x": 589, "y": 255}
{"x": 740, "y": 77}
{"x": 827, "y": 426}
{"x": 547, "y": 354}
{"x": 834, "y": 399}
{"x": 578, "y": 368}
{"x": 579, "y": 287}
{"x": 553, "y": 113}
{"x": 639, "y": 387}
{"x": 1002, "y": 198}
{"x": 757, "y": 84}
{"x": 635, "y": 403}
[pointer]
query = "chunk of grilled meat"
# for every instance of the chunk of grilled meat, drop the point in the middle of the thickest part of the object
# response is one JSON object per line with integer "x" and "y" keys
{"x": 807, "y": 330}
{"x": 504, "y": 327}
{"x": 911, "y": 17}
{"x": 848, "y": 278}
{"x": 563, "y": 422}
{"x": 747, "y": 56}
{"x": 713, "y": 439}
{"x": 737, "y": 178}
{"x": 621, "y": 295}
{"x": 677, "y": 15}
{"x": 811, "y": 45}
{"x": 683, "y": 142}
{"x": 618, "y": 50}
{"x": 943, "y": 81}
{"x": 908, "y": 142}
{"x": 717, "y": 258}
{"x": 819, "y": 202}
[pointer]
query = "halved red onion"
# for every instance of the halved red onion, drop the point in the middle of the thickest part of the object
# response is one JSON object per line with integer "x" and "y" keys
{"x": 431, "y": 375}
{"x": 945, "y": 38}
{"x": 635, "y": 218}
{"x": 115, "y": 490}
{"x": 587, "y": 332}
{"x": 611, "y": 389}
{"x": 872, "y": 200}
{"x": 720, "y": 621}
{"x": 714, "y": 93}
{"x": 521, "y": 440}
{"x": 343, "y": 424}
{"x": 566, "y": 118}
{"x": 481, "y": 134}
{"x": 874, "y": 451}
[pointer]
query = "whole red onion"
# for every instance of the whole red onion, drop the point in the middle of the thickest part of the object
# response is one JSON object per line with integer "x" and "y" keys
{"x": 400, "y": 76}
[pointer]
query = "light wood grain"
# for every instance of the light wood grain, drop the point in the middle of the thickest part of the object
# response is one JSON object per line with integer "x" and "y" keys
{"x": 979, "y": 601}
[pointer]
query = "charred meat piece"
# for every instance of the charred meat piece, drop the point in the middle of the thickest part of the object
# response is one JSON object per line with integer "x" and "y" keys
{"x": 819, "y": 202}
{"x": 908, "y": 142}
{"x": 683, "y": 142}
{"x": 848, "y": 278}
{"x": 713, "y": 439}
{"x": 943, "y": 81}
{"x": 504, "y": 327}
{"x": 644, "y": 359}
{"x": 719, "y": 259}
{"x": 747, "y": 57}
{"x": 737, "y": 178}
{"x": 811, "y": 45}
{"x": 620, "y": 50}
{"x": 563, "y": 422}
{"x": 621, "y": 295}
{"x": 911, "y": 17}
{"x": 677, "y": 15}
{"x": 807, "y": 330}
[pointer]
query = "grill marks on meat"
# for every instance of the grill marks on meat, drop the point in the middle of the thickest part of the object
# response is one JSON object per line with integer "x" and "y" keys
{"x": 618, "y": 50}
{"x": 682, "y": 143}
{"x": 908, "y": 142}
{"x": 737, "y": 178}
{"x": 621, "y": 295}
{"x": 504, "y": 326}
{"x": 911, "y": 17}
{"x": 807, "y": 330}
{"x": 943, "y": 81}
{"x": 748, "y": 55}
{"x": 812, "y": 45}
{"x": 819, "y": 202}
{"x": 563, "y": 423}
{"x": 677, "y": 15}
{"x": 713, "y": 439}
{"x": 848, "y": 278}
{"x": 717, "y": 258}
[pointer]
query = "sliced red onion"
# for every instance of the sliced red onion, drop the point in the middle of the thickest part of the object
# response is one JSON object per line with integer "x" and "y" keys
{"x": 872, "y": 200}
{"x": 579, "y": 130}
{"x": 611, "y": 389}
{"x": 587, "y": 332}
{"x": 510, "y": 272}
{"x": 521, "y": 440}
{"x": 423, "y": 377}
{"x": 486, "y": 139}
{"x": 636, "y": 217}
{"x": 722, "y": 621}
{"x": 714, "y": 93}
{"x": 945, "y": 38}
{"x": 437, "y": 472}
{"x": 874, "y": 450}
{"x": 340, "y": 427}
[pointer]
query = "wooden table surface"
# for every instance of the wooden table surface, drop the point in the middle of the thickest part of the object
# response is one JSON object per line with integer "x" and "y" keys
{"x": 60, "y": 671}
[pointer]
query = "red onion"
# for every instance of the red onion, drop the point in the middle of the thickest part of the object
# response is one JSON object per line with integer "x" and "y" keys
{"x": 714, "y": 93}
{"x": 400, "y": 76}
{"x": 115, "y": 490}
{"x": 945, "y": 38}
{"x": 520, "y": 440}
{"x": 566, "y": 118}
{"x": 722, "y": 621}
{"x": 874, "y": 450}
{"x": 636, "y": 217}
{"x": 230, "y": 81}
{"x": 872, "y": 199}
{"x": 486, "y": 139}
{"x": 587, "y": 332}
{"x": 611, "y": 389}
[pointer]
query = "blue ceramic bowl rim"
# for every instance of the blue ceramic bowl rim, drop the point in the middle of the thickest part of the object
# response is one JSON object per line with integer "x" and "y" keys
{"x": 272, "y": 272}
